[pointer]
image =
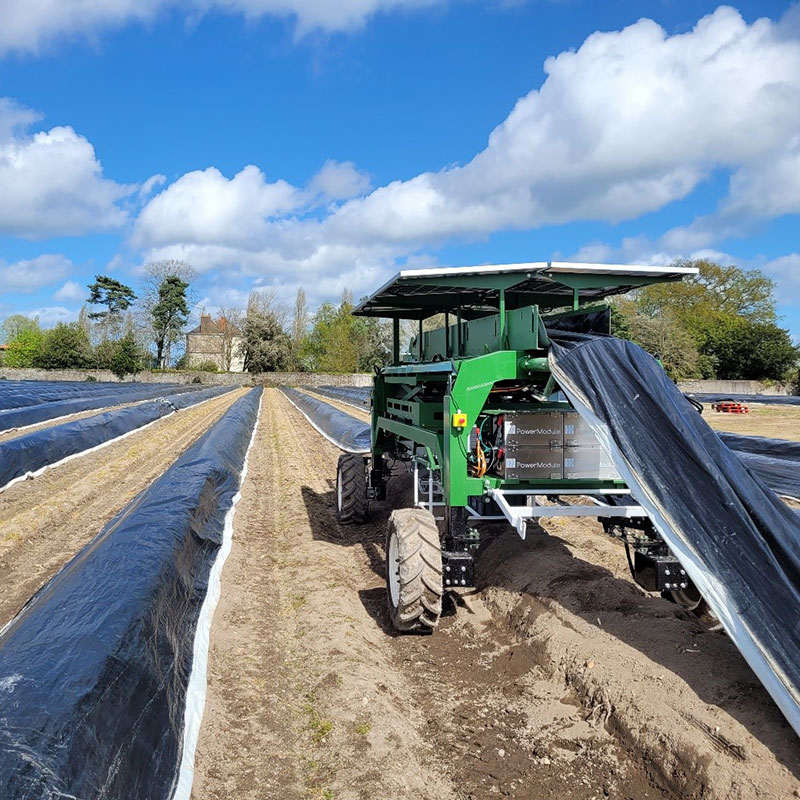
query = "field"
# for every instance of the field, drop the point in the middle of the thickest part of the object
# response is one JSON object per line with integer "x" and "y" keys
{"x": 777, "y": 422}
{"x": 556, "y": 678}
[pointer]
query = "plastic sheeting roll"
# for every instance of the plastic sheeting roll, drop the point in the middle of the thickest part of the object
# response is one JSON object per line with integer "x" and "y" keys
{"x": 738, "y": 542}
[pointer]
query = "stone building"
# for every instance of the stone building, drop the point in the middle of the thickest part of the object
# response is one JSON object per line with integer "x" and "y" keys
{"x": 214, "y": 342}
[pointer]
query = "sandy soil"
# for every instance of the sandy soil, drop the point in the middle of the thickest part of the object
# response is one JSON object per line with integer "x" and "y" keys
{"x": 557, "y": 679}
{"x": 777, "y": 422}
{"x": 46, "y": 520}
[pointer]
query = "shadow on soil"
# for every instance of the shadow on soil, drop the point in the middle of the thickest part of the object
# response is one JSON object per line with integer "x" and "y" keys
{"x": 545, "y": 570}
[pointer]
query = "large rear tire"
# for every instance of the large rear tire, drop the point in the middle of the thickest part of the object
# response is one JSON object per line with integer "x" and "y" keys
{"x": 351, "y": 489}
{"x": 413, "y": 570}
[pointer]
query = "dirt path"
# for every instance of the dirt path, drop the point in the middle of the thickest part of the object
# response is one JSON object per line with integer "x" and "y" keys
{"x": 777, "y": 422}
{"x": 559, "y": 679}
{"x": 45, "y": 521}
{"x": 304, "y": 700}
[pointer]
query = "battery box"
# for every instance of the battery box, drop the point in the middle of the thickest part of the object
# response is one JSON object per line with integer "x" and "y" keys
{"x": 549, "y": 445}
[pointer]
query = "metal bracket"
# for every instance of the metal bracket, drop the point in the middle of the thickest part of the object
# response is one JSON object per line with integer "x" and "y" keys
{"x": 518, "y": 516}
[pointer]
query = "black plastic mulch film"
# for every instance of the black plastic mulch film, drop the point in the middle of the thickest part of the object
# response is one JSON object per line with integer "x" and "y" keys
{"x": 737, "y": 540}
{"x": 344, "y": 430}
{"x": 353, "y": 395}
{"x": 94, "y": 669}
{"x": 55, "y": 404}
{"x": 775, "y": 461}
{"x": 30, "y": 452}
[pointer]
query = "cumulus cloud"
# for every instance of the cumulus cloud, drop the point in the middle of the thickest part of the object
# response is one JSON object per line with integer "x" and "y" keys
{"x": 628, "y": 123}
{"x": 204, "y": 207}
{"x": 49, "y": 316}
{"x": 31, "y": 274}
{"x": 339, "y": 181}
{"x": 28, "y": 25}
{"x": 71, "y": 291}
{"x": 52, "y": 182}
{"x": 785, "y": 271}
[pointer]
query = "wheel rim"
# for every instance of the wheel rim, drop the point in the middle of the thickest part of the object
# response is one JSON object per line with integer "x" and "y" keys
{"x": 393, "y": 561}
{"x": 339, "y": 490}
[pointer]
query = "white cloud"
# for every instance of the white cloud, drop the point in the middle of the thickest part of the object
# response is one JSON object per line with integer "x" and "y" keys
{"x": 48, "y": 316}
{"x": 785, "y": 271}
{"x": 52, "y": 183}
{"x": 71, "y": 291}
{"x": 205, "y": 207}
{"x": 339, "y": 181}
{"x": 631, "y": 121}
{"x": 28, "y": 25}
{"x": 31, "y": 274}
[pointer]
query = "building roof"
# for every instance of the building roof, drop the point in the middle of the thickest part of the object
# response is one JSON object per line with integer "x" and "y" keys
{"x": 208, "y": 326}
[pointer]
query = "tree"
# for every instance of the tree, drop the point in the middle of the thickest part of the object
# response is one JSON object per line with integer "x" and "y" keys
{"x": 24, "y": 347}
{"x": 16, "y": 324}
{"x": 169, "y": 315}
{"x": 716, "y": 308}
{"x": 743, "y": 349}
{"x": 339, "y": 342}
{"x": 374, "y": 338}
{"x": 665, "y": 339}
{"x": 299, "y": 328}
{"x": 84, "y": 323}
{"x": 714, "y": 291}
{"x": 116, "y": 296}
{"x": 265, "y": 343}
{"x": 104, "y": 353}
{"x": 64, "y": 347}
{"x": 331, "y": 345}
{"x": 127, "y": 358}
{"x": 231, "y": 324}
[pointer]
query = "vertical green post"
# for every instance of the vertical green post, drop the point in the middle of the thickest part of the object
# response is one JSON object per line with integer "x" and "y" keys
{"x": 420, "y": 340}
{"x": 395, "y": 340}
{"x": 502, "y": 318}
{"x": 447, "y": 351}
{"x": 576, "y": 299}
{"x": 459, "y": 348}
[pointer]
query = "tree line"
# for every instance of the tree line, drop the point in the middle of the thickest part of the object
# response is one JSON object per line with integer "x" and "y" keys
{"x": 721, "y": 324}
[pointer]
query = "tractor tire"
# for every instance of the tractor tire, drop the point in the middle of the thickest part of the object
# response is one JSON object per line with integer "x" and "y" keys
{"x": 413, "y": 570}
{"x": 351, "y": 489}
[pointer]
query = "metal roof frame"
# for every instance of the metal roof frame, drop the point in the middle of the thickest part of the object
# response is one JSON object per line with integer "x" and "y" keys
{"x": 421, "y": 293}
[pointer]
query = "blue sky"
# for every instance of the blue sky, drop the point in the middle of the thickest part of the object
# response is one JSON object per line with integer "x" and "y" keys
{"x": 279, "y": 143}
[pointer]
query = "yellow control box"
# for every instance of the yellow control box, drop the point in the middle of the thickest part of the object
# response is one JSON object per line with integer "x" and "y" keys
{"x": 459, "y": 420}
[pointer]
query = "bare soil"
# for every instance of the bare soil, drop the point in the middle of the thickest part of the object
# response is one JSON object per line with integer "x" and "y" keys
{"x": 776, "y": 422}
{"x": 46, "y": 520}
{"x": 558, "y": 678}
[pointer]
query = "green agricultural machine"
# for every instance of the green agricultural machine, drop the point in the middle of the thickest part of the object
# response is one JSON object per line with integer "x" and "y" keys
{"x": 474, "y": 413}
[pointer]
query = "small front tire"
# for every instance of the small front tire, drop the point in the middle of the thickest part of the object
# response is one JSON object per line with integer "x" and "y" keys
{"x": 351, "y": 489}
{"x": 413, "y": 570}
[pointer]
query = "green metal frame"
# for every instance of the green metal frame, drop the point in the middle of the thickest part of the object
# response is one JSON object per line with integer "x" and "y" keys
{"x": 466, "y": 360}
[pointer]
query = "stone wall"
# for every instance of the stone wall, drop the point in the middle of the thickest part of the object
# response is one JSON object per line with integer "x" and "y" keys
{"x": 321, "y": 379}
{"x": 206, "y": 378}
{"x": 735, "y": 387}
